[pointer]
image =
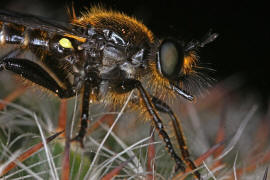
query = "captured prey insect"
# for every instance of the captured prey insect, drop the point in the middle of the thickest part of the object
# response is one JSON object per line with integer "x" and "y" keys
{"x": 103, "y": 55}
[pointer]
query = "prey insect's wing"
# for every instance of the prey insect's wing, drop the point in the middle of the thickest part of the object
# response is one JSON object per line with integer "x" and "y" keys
{"x": 36, "y": 22}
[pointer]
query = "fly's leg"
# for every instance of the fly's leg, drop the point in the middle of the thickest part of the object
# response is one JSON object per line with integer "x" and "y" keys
{"x": 33, "y": 72}
{"x": 128, "y": 85}
{"x": 163, "y": 107}
{"x": 19, "y": 90}
{"x": 84, "y": 115}
{"x": 90, "y": 84}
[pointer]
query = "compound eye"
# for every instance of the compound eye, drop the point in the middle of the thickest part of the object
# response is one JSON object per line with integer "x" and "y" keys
{"x": 65, "y": 43}
{"x": 170, "y": 60}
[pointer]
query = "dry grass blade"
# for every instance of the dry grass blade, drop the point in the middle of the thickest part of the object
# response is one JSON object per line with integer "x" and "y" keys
{"x": 62, "y": 115}
{"x": 210, "y": 172}
{"x": 265, "y": 174}
{"x": 12, "y": 96}
{"x": 51, "y": 163}
{"x": 151, "y": 153}
{"x": 115, "y": 171}
{"x": 27, "y": 154}
{"x": 234, "y": 167}
{"x": 239, "y": 132}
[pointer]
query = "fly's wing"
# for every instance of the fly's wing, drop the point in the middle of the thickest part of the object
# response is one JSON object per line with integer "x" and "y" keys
{"x": 36, "y": 22}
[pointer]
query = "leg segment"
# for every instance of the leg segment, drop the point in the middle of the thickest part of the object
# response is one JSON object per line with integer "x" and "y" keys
{"x": 130, "y": 84}
{"x": 84, "y": 115}
{"x": 33, "y": 72}
{"x": 163, "y": 107}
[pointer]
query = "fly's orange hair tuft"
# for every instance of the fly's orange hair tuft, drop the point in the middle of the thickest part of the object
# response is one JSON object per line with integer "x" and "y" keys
{"x": 101, "y": 18}
{"x": 190, "y": 61}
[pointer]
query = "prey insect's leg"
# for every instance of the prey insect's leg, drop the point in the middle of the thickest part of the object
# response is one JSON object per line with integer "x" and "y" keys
{"x": 84, "y": 115}
{"x": 131, "y": 84}
{"x": 163, "y": 107}
{"x": 33, "y": 72}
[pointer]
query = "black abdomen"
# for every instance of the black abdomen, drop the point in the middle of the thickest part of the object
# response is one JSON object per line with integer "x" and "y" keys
{"x": 20, "y": 35}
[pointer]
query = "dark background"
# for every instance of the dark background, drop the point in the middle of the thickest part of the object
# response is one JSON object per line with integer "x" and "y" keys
{"x": 242, "y": 46}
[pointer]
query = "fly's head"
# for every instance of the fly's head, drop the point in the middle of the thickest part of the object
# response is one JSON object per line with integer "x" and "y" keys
{"x": 175, "y": 66}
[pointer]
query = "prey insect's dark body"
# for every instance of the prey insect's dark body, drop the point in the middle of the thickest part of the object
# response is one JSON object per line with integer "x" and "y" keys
{"x": 103, "y": 55}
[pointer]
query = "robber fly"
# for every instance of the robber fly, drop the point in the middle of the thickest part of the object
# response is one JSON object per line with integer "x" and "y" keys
{"x": 103, "y": 55}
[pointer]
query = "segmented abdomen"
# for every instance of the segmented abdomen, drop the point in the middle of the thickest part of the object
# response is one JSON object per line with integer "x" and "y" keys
{"x": 23, "y": 36}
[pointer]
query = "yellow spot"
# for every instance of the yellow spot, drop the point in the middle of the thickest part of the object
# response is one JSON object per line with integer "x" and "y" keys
{"x": 64, "y": 42}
